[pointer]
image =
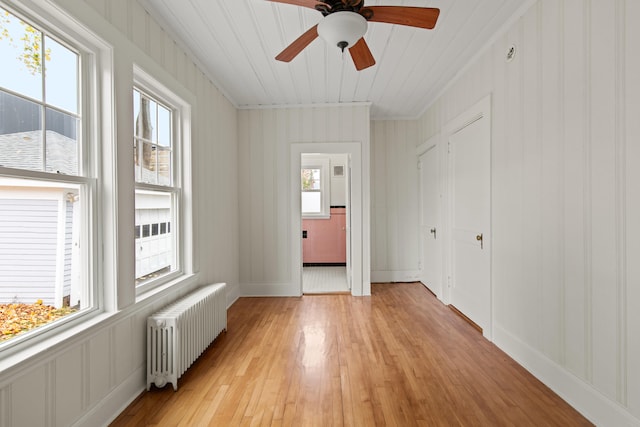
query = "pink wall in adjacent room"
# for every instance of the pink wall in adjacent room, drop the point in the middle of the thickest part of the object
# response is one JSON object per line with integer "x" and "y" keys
{"x": 326, "y": 239}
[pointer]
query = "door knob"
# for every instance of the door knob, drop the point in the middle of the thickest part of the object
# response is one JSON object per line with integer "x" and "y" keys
{"x": 480, "y": 238}
{"x": 433, "y": 231}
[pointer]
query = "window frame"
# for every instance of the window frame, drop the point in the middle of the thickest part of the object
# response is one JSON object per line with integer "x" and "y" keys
{"x": 310, "y": 161}
{"x": 180, "y": 188}
{"x": 92, "y": 60}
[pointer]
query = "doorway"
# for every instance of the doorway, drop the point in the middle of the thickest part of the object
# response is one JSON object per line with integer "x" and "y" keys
{"x": 358, "y": 237}
{"x": 325, "y": 210}
{"x": 431, "y": 232}
{"x": 469, "y": 175}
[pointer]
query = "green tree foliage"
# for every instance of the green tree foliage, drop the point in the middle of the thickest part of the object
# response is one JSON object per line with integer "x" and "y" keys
{"x": 32, "y": 52}
{"x": 307, "y": 179}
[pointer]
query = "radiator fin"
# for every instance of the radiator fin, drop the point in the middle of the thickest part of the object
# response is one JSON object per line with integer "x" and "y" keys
{"x": 179, "y": 333}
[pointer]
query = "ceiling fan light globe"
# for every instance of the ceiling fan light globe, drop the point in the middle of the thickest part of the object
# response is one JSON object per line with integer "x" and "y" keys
{"x": 342, "y": 27}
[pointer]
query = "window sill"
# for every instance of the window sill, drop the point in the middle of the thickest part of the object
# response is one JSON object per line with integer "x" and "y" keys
{"x": 183, "y": 280}
{"x": 18, "y": 359}
{"x": 40, "y": 348}
{"x": 320, "y": 216}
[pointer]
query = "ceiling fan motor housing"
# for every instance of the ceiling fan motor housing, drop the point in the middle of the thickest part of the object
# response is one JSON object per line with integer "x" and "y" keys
{"x": 342, "y": 29}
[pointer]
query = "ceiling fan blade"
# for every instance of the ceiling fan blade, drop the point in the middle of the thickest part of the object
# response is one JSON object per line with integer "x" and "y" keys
{"x": 304, "y": 3}
{"x": 361, "y": 55}
{"x": 421, "y": 17}
{"x": 298, "y": 45}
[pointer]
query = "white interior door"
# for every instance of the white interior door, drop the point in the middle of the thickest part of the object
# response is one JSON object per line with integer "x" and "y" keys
{"x": 348, "y": 224}
{"x": 469, "y": 161}
{"x": 430, "y": 232}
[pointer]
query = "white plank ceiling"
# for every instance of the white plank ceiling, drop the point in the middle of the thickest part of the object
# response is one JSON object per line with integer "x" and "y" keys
{"x": 235, "y": 41}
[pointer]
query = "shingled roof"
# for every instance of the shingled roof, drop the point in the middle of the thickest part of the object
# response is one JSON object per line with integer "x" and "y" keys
{"x": 24, "y": 150}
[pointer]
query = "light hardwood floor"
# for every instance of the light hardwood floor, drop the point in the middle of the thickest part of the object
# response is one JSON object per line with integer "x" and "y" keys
{"x": 397, "y": 358}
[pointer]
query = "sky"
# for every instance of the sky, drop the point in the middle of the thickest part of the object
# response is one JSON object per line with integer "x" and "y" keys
{"x": 61, "y": 70}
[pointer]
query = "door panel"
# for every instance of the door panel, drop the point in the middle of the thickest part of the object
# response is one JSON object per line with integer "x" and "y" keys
{"x": 431, "y": 274}
{"x": 469, "y": 150}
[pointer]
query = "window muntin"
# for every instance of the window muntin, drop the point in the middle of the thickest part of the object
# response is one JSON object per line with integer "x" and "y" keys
{"x": 47, "y": 193}
{"x": 157, "y": 194}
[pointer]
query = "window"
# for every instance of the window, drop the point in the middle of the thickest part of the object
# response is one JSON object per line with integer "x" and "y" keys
{"x": 315, "y": 184}
{"x": 158, "y": 194}
{"x": 47, "y": 185}
{"x": 311, "y": 190}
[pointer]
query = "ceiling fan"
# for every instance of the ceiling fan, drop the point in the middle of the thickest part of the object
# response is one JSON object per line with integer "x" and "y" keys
{"x": 345, "y": 22}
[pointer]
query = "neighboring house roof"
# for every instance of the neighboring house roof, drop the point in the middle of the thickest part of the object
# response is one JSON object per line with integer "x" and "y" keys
{"x": 24, "y": 150}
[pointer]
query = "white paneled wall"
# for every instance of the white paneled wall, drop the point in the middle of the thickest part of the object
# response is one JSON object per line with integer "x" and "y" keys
{"x": 265, "y": 137}
{"x": 88, "y": 378}
{"x": 395, "y": 250}
{"x": 566, "y": 197}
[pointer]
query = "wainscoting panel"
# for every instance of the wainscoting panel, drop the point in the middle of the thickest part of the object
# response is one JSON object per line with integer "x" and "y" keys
{"x": 99, "y": 367}
{"x": 29, "y": 398}
{"x": 69, "y": 392}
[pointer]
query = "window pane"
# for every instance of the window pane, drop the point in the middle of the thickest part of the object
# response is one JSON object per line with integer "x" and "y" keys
{"x": 61, "y": 142}
{"x": 20, "y": 133}
{"x": 61, "y": 76}
{"x": 164, "y": 166}
{"x": 310, "y": 179}
{"x": 40, "y": 230}
{"x": 145, "y": 118}
{"x": 20, "y": 56}
{"x": 164, "y": 126}
{"x": 155, "y": 253}
{"x": 311, "y": 202}
{"x": 149, "y": 163}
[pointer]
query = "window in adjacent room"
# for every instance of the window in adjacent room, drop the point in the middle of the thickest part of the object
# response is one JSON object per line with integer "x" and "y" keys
{"x": 315, "y": 184}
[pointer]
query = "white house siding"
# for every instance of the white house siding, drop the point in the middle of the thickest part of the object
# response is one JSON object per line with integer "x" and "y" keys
{"x": 88, "y": 379}
{"x": 28, "y": 248}
{"x": 565, "y": 199}
{"x": 68, "y": 250}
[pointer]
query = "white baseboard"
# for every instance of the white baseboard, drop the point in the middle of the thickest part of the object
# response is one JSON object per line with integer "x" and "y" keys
{"x": 114, "y": 403}
{"x": 595, "y": 406}
{"x": 232, "y": 295}
{"x": 433, "y": 291}
{"x": 270, "y": 290}
{"x": 387, "y": 276}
